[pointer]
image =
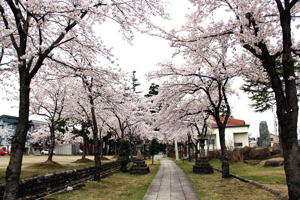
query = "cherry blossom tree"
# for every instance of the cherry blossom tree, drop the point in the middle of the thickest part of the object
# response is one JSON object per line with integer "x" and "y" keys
{"x": 36, "y": 33}
{"x": 90, "y": 90}
{"x": 41, "y": 136}
{"x": 88, "y": 84}
{"x": 261, "y": 34}
{"x": 206, "y": 74}
{"x": 50, "y": 101}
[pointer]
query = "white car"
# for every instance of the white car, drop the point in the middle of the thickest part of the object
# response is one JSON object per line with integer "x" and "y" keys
{"x": 46, "y": 152}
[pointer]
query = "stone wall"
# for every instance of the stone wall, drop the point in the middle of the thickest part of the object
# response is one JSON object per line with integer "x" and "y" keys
{"x": 42, "y": 185}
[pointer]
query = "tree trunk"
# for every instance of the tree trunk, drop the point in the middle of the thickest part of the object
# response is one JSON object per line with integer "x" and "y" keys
{"x": 287, "y": 105}
{"x": 116, "y": 148}
{"x": 131, "y": 151}
{"x": 97, "y": 159}
{"x": 52, "y": 143}
{"x": 13, "y": 170}
{"x": 197, "y": 151}
{"x": 291, "y": 154}
{"x": 84, "y": 148}
{"x": 288, "y": 116}
{"x": 189, "y": 148}
{"x": 225, "y": 162}
{"x": 144, "y": 150}
{"x": 96, "y": 142}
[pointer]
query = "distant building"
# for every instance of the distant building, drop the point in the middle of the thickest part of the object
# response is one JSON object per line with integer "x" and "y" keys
{"x": 252, "y": 142}
{"x": 236, "y": 135}
{"x": 8, "y": 126}
{"x": 274, "y": 139}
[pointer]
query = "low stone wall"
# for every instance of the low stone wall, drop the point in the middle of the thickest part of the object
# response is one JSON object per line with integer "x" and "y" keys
{"x": 42, "y": 185}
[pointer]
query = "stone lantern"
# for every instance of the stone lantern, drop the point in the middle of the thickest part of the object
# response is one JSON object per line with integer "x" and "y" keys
{"x": 139, "y": 166}
{"x": 202, "y": 165}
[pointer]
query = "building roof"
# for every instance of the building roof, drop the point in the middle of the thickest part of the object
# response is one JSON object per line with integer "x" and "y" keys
{"x": 14, "y": 120}
{"x": 9, "y": 119}
{"x": 231, "y": 123}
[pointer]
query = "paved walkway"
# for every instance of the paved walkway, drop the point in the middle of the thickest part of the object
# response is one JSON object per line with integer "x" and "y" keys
{"x": 170, "y": 183}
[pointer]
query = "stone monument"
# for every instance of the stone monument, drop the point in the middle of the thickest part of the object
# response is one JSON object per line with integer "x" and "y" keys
{"x": 202, "y": 165}
{"x": 139, "y": 166}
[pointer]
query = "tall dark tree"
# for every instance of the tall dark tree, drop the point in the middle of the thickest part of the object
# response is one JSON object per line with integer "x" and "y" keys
{"x": 261, "y": 93}
{"x": 153, "y": 90}
{"x": 123, "y": 153}
{"x": 89, "y": 84}
{"x": 154, "y": 148}
{"x": 221, "y": 111}
{"x": 135, "y": 83}
{"x": 285, "y": 91}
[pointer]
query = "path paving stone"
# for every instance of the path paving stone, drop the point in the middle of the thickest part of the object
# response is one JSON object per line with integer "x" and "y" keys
{"x": 170, "y": 183}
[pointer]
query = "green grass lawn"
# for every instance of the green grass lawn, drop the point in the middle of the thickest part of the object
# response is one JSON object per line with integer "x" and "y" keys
{"x": 213, "y": 187}
{"x": 256, "y": 173}
{"x": 32, "y": 171}
{"x": 119, "y": 186}
{"x": 35, "y": 165}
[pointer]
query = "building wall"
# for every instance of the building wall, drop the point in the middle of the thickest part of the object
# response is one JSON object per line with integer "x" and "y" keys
{"x": 233, "y": 135}
{"x": 274, "y": 139}
{"x": 67, "y": 149}
{"x": 8, "y": 126}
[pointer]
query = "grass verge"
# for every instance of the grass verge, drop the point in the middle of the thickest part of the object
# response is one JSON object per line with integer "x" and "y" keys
{"x": 36, "y": 169}
{"x": 119, "y": 186}
{"x": 256, "y": 173}
{"x": 272, "y": 177}
{"x": 213, "y": 187}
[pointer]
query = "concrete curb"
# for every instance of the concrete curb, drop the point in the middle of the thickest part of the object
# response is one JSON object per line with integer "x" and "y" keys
{"x": 259, "y": 185}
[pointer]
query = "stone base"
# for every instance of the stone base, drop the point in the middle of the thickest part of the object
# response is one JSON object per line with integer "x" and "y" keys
{"x": 139, "y": 167}
{"x": 203, "y": 167}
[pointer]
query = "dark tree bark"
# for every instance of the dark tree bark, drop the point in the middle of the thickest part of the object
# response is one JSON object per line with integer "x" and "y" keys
{"x": 224, "y": 153}
{"x": 197, "y": 151}
{"x": 52, "y": 142}
{"x": 96, "y": 141}
{"x": 13, "y": 170}
{"x": 84, "y": 150}
{"x": 220, "y": 110}
{"x": 285, "y": 95}
{"x": 287, "y": 111}
{"x": 27, "y": 70}
{"x": 189, "y": 143}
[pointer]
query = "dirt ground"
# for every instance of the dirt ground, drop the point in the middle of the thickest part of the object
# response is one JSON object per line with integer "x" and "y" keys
{"x": 30, "y": 159}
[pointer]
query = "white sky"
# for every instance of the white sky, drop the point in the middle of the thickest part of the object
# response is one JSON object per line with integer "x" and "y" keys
{"x": 143, "y": 55}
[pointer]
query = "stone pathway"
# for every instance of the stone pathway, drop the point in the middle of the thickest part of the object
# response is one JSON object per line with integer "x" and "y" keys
{"x": 170, "y": 183}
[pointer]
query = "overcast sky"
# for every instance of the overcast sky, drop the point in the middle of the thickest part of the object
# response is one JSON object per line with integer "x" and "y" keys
{"x": 143, "y": 55}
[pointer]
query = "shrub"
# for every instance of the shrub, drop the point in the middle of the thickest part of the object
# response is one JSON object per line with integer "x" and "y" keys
{"x": 259, "y": 153}
{"x": 124, "y": 152}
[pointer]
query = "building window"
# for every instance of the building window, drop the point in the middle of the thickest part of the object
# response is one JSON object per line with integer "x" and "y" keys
{"x": 272, "y": 139}
{"x": 211, "y": 141}
{"x": 238, "y": 144}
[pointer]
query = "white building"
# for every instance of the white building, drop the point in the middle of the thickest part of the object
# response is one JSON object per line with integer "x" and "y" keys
{"x": 236, "y": 135}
